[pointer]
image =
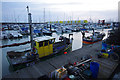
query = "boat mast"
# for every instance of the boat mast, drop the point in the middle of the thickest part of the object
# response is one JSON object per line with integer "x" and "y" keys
{"x": 44, "y": 17}
{"x": 30, "y": 26}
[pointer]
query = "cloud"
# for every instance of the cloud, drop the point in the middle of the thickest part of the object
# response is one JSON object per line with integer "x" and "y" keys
{"x": 60, "y": 9}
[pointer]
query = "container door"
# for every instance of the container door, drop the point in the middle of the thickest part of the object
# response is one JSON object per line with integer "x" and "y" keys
{"x": 51, "y": 42}
{"x": 41, "y": 50}
{"x": 46, "y": 48}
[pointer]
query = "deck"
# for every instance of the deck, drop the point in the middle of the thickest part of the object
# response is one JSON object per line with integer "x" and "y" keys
{"x": 45, "y": 67}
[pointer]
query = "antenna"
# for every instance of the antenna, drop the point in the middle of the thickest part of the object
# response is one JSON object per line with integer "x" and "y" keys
{"x": 27, "y": 9}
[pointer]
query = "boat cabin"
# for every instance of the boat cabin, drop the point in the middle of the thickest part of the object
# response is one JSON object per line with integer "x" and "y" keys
{"x": 44, "y": 45}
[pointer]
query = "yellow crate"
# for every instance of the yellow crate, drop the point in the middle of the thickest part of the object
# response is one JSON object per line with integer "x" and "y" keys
{"x": 105, "y": 55}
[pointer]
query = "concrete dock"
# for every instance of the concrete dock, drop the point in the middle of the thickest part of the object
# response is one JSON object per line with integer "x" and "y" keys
{"x": 45, "y": 67}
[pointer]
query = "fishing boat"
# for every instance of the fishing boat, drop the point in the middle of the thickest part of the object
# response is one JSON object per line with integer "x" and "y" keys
{"x": 97, "y": 36}
{"x": 41, "y": 48}
{"x": 44, "y": 47}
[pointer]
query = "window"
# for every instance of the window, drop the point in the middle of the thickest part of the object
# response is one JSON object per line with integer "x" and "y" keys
{"x": 34, "y": 43}
{"x": 40, "y": 44}
{"x": 46, "y": 43}
{"x": 53, "y": 40}
{"x": 50, "y": 41}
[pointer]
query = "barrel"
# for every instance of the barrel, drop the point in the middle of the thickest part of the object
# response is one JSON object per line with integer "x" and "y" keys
{"x": 94, "y": 67}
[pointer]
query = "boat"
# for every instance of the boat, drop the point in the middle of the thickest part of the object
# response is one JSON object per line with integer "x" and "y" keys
{"x": 59, "y": 30}
{"x": 37, "y": 32}
{"x": 68, "y": 30}
{"x": 3, "y": 35}
{"x": 46, "y": 32}
{"x": 97, "y": 36}
{"x": 15, "y": 44}
{"x": 16, "y": 27}
{"x": 44, "y": 47}
{"x": 24, "y": 31}
{"x": 41, "y": 48}
{"x": 14, "y": 34}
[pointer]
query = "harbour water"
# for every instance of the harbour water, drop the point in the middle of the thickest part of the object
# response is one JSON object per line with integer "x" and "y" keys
{"x": 77, "y": 43}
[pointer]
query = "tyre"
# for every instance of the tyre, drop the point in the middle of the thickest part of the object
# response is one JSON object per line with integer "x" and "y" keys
{"x": 114, "y": 57}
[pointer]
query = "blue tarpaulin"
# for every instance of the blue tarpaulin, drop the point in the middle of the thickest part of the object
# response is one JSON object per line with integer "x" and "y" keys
{"x": 24, "y": 29}
{"x": 53, "y": 25}
{"x": 37, "y": 31}
{"x": 46, "y": 29}
{"x": 104, "y": 46}
{"x": 83, "y": 29}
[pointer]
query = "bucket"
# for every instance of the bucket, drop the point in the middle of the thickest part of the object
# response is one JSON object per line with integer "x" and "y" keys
{"x": 94, "y": 67}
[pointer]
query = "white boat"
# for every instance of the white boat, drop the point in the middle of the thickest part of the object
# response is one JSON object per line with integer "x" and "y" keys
{"x": 16, "y": 27}
{"x": 3, "y": 35}
{"x": 24, "y": 31}
{"x": 59, "y": 30}
{"x": 15, "y": 34}
{"x": 46, "y": 32}
{"x": 68, "y": 30}
{"x": 64, "y": 30}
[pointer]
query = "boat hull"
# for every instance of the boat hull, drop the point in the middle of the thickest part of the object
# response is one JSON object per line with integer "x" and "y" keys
{"x": 90, "y": 42}
{"x": 31, "y": 62}
{"x": 47, "y": 33}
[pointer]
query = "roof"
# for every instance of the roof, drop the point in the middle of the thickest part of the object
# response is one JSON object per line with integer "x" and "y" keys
{"x": 39, "y": 39}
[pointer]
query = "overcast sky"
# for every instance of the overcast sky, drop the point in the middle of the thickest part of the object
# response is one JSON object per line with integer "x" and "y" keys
{"x": 56, "y": 10}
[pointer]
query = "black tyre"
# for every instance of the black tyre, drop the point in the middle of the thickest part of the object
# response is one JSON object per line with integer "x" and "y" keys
{"x": 114, "y": 57}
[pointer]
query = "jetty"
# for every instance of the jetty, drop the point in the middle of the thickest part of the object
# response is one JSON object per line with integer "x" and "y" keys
{"x": 106, "y": 68}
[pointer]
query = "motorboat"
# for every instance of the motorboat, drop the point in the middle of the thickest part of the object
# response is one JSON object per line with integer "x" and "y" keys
{"x": 95, "y": 37}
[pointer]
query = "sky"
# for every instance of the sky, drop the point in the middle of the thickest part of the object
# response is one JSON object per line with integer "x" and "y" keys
{"x": 60, "y": 10}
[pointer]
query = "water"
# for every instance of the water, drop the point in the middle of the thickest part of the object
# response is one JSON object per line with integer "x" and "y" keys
{"x": 77, "y": 43}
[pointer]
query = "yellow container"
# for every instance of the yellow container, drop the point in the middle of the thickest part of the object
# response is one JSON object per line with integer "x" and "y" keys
{"x": 105, "y": 55}
{"x": 44, "y": 45}
{"x": 61, "y": 73}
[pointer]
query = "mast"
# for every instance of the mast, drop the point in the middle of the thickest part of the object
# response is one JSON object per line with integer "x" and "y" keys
{"x": 44, "y": 16}
{"x": 71, "y": 18}
{"x": 31, "y": 30}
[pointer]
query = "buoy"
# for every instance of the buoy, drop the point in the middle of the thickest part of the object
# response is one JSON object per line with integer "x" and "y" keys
{"x": 82, "y": 64}
{"x": 75, "y": 63}
{"x": 65, "y": 52}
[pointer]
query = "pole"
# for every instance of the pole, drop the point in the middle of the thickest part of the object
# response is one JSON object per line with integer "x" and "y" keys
{"x": 44, "y": 15}
{"x": 31, "y": 30}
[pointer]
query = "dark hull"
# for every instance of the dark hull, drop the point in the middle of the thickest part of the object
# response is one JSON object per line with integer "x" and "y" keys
{"x": 34, "y": 61}
{"x": 87, "y": 40}
{"x": 47, "y": 33}
{"x": 15, "y": 44}
{"x": 90, "y": 41}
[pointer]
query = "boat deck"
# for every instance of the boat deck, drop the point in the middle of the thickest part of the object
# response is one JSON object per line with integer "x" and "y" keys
{"x": 45, "y": 67}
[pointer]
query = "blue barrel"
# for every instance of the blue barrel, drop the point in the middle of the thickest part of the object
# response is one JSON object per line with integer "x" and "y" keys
{"x": 94, "y": 67}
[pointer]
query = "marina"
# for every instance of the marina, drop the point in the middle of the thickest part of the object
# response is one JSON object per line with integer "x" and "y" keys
{"x": 17, "y": 63}
{"x": 59, "y": 42}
